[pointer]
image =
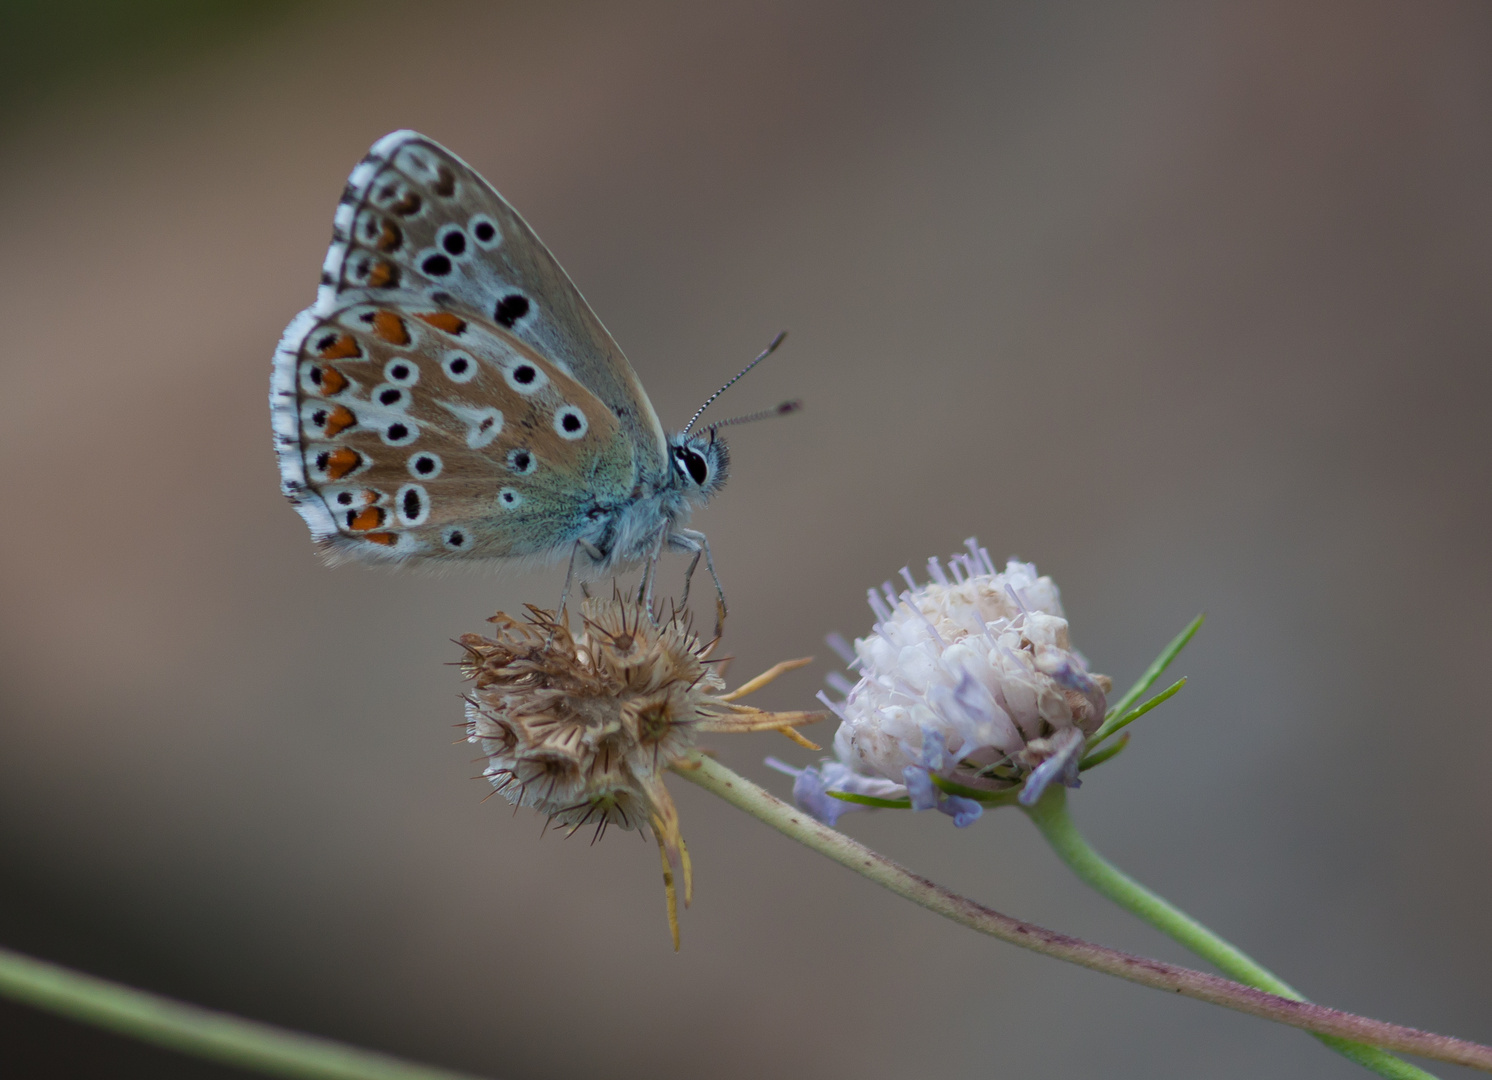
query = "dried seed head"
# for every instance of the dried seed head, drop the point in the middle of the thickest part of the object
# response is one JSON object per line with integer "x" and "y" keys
{"x": 581, "y": 726}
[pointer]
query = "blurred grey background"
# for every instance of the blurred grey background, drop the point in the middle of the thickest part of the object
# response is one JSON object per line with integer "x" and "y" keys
{"x": 1188, "y": 303}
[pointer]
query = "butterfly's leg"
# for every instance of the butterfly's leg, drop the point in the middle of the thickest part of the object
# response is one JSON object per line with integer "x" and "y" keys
{"x": 591, "y": 550}
{"x": 694, "y": 540}
{"x": 650, "y": 575}
{"x": 569, "y": 577}
{"x": 685, "y": 543}
{"x": 688, "y": 577}
{"x": 645, "y": 583}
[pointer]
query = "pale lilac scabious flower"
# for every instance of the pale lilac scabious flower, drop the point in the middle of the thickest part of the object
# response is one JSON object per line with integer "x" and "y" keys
{"x": 971, "y": 679}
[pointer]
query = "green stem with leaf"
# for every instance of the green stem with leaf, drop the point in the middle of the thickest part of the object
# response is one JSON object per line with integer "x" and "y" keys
{"x": 1051, "y": 817}
{"x": 1172, "y": 978}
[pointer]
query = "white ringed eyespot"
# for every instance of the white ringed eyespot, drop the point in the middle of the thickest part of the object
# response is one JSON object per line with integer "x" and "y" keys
{"x": 525, "y": 377}
{"x": 401, "y": 372}
{"x": 425, "y": 465}
{"x": 485, "y": 231}
{"x": 570, "y": 422}
{"x": 459, "y": 367}
{"x": 412, "y": 505}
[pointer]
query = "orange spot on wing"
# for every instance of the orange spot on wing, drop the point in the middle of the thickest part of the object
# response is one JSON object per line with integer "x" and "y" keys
{"x": 368, "y": 518}
{"x": 409, "y": 204}
{"x": 331, "y": 381}
{"x": 390, "y": 238}
{"x": 382, "y": 275}
{"x": 391, "y": 328}
{"x": 338, "y": 421}
{"x": 344, "y": 348}
{"x": 385, "y": 538}
{"x": 341, "y": 461}
{"x": 444, "y": 320}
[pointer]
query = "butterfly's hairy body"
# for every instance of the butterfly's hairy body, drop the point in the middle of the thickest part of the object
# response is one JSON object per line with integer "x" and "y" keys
{"x": 451, "y": 396}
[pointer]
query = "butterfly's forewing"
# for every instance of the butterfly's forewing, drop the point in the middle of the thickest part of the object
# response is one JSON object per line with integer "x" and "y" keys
{"x": 430, "y": 269}
{"x": 413, "y": 432}
{"x": 417, "y": 218}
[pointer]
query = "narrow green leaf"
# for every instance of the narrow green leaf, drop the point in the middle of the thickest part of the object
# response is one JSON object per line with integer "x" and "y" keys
{"x": 1147, "y": 680}
{"x": 1098, "y": 757}
{"x": 1117, "y": 721}
{"x": 988, "y": 798}
{"x": 1135, "y": 713}
{"x": 871, "y": 800}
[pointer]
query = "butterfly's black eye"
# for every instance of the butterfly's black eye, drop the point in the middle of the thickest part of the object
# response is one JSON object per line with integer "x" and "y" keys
{"x": 454, "y": 242}
{"x": 436, "y": 265}
{"x": 693, "y": 464}
{"x": 485, "y": 232}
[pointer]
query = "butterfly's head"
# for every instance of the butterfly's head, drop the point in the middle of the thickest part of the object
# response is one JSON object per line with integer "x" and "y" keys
{"x": 701, "y": 464}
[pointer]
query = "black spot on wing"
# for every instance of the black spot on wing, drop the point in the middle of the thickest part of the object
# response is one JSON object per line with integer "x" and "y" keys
{"x": 510, "y": 309}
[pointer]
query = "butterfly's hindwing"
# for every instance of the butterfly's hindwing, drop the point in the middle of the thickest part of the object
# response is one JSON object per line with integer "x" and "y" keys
{"x": 424, "y": 434}
{"x": 418, "y": 219}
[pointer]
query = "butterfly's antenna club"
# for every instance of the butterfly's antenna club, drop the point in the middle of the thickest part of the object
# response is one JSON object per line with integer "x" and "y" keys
{"x": 780, "y": 410}
{"x": 768, "y": 351}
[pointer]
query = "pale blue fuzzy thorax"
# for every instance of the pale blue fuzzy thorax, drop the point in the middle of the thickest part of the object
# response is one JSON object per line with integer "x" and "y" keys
{"x": 642, "y": 525}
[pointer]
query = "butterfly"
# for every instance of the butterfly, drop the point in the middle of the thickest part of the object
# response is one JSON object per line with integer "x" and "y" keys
{"x": 451, "y": 396}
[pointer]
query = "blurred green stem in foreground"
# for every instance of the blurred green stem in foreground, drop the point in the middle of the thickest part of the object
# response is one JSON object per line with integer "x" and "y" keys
{"x": 190, "y": 1029}
{"x": 264, "y": 1048}
{"x": 1051, "y": 817}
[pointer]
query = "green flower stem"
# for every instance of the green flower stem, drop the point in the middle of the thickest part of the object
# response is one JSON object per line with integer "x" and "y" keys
{"x": 200, "y": 1032}
{"x": 1051, "y": 817}
{"x": 743, "y": 794}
